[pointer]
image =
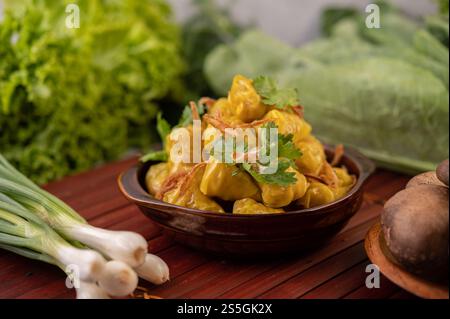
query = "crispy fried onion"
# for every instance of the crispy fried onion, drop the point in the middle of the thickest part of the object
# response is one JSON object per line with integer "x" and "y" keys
{"x": 169, "y": 183}
{"x": 185, "y": 182}
{"x": 315, "y": 178}
{"x": 194, "y": 110}
{"x": 143, "y": 293}
{"x": 298, "y": 109}
{"x": 181, "y": 179}
{"x": 328, "y": 174}
{"x": 218, "y": 123}
{"x": 338, "y": 153}
{"x": 209, "y": 102}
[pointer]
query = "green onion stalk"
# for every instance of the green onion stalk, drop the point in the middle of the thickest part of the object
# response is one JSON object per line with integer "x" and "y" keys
{"x": 84, "y": 289}
{"x": 125, "y": 246}
{"x": 23, "y": 232}
{"x": 22, "y": 229}
{"x": 125, "y": 250}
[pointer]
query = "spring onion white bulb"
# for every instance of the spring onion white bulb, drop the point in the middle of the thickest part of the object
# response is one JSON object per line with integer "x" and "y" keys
{"x": 89, "y": 262}
{"x": 154, "y": 270}
{"x": 125, "y": 246}
{"x": 90, "y": 290}
{"x": 118, "y": 279}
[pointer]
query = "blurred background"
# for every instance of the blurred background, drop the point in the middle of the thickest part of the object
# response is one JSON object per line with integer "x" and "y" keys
{"x": 71, "y": 99}
{"x": 292, "y": 21}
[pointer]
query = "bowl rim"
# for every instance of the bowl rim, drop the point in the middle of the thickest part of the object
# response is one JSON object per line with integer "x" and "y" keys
{"x": 141, "y": 197}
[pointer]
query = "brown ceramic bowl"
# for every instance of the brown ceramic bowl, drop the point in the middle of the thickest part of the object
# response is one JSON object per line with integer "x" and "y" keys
{"x": 251, "y": 235}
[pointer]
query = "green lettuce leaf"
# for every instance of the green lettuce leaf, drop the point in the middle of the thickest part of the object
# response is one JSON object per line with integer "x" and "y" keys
{"x": 73, "y": 98}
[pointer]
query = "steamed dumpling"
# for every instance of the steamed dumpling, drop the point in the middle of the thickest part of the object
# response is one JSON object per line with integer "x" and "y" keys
{"x": 279, "y": 196}
{"x": 245, "y": 101}
{"x": 250, "y": 206}
{"x": 345, "y": 182}
{"x": 156, "y": 176}
{"x": 316, "y": 195}
{"x": 313, "y": 155}
{"x": 227, "y": 182}
{"x": 187, "y": 193}
{"x": 289, "y": 123}
{"x": 222, "y": 109}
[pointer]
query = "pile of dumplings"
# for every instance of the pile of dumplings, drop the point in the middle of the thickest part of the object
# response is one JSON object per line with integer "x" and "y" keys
{"x": 218, "y": 187}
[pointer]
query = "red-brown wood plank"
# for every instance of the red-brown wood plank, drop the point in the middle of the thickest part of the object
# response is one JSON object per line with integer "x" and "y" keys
{"x": 88, "y": 181}
{"x": 225, "y": 280}
{"x": 387, "y": 289}
{"x": 232, "y": 276}
{"x": 340, "y": 285}
{"x": 403, "y": 294}
{"x": 26, "y": 275}
{"x": 266, "y": 281}
{"x": 333, "y": 271}
{"x": 313, "y": 277}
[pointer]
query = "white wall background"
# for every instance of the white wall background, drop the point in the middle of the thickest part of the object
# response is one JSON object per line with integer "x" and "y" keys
{"x": 293, "y": 21}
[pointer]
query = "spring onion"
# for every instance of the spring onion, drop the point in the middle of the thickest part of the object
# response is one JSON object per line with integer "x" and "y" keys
{"x": 118, "y": 279}
{"x": 85, "y": 290}
{"x": 34, "y": 239}
{"x": 115, "y": 278}
{"x": 37, "y": 225}
{"x": 89, "y": 290}
{"x": 125, "y": 246}
{"x": 20, "y": 228}
{"x": 154, "y": 270}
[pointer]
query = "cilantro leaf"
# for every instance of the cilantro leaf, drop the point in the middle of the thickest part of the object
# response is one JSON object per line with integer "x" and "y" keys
{"x": 286, "y": 147}
{"x": 163, "y": 127}
{"x": 186, "y": 116}
{"x": 267, "y": 88}
{"x": 287, "y": 153}
{"x": 281, "y": 177}
{"x": 264, "y": 85}
{"x": 159, "y": 156}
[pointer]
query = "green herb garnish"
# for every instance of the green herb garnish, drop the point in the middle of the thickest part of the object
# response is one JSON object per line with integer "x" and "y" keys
{"x": 186, "y": 116}
{"x": 267, "y": 88}
{"x": 281, "y": 177}
{"x": 163, "y": 128}
{"x": 287, "y": 154}
{"x": 157, "y": 156}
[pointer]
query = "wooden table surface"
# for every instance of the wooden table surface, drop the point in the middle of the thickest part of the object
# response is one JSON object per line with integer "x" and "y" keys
{"x": 337, "y": 270}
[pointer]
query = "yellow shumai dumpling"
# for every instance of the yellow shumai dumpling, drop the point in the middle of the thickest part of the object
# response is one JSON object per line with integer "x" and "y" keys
{"x": 156, "y": 176}
{"x": 316, "y": 195}
{"x": 313, "y": 155}
{"x": 289, "y": 123}
{"x": 223, "y": 110}
{"x": 187, "y": 193}
{"x": 179, "y": 166}
{"x": 345, "y": 182}
{"x": 227, "y": 182}
{"x": 250, "y": 206}
{"x": 245, "y": 101}
{"x": 279, "y": 196}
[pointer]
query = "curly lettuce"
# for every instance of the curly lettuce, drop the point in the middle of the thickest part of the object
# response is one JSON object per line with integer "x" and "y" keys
{"x": 73, "y": 98}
